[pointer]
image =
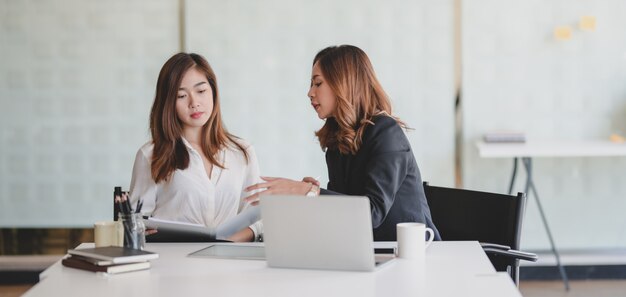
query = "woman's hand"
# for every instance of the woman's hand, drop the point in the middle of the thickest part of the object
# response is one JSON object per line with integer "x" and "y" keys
{"x": 277, "y": 186}
{"x": 311, "y": 180}
{"x": 243, "y": 235}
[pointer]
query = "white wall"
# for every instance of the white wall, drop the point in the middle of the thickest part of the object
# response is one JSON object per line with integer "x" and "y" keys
{"x": 262, "y": 52}
{"x": 77, "y": 81}
{"x": 517, "y": 76}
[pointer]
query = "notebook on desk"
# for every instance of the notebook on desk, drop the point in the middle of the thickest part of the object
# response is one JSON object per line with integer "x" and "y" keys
{"x": 114, "y": 254}
{"x": 325, "y": 232}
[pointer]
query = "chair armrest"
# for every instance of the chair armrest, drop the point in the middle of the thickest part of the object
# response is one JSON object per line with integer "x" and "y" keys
{"x": 494, "y": 246}
{"x": 513, "y": 254}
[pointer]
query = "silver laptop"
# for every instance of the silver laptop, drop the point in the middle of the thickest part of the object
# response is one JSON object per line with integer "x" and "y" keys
{"x": 325, "y": 232}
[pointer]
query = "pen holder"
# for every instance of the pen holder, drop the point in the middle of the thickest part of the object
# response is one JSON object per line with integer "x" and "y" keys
{"x": 134, "y": 231}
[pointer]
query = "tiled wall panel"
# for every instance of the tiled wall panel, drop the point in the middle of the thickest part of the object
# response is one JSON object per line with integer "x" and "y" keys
{"x": 76, "y": 83}
{"x": 77, "y": 80}
{"x": 262, "y": 52}
{"x": 516, "y": 76}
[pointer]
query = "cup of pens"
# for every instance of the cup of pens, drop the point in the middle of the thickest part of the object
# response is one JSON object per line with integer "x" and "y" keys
{"x": 134, "y": 231}
{"x": 132, "y": 221}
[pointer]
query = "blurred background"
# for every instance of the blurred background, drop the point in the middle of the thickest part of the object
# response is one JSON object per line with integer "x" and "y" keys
{"x": 77, "y": 79}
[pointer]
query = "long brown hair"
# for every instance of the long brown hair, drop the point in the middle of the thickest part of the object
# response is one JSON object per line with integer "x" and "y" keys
{"x": 170, "y": 153}
{"x": 350, "y": 75}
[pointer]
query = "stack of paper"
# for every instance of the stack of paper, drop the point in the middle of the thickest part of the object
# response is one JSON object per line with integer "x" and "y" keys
{"x": 505, "y": 137}
{"x": 110, "y": 259}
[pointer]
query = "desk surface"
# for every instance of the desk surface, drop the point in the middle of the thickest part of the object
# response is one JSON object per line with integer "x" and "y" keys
{"x": 450, "y": 269}
{"x": 551, "y": 149}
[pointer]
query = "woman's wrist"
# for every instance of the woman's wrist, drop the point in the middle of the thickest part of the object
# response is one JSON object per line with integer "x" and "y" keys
{"x": 313, "y": 190}
{"x": 306, "y": 187}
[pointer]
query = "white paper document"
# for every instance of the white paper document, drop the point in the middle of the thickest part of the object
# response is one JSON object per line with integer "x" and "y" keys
{"x": 242, "y": 220}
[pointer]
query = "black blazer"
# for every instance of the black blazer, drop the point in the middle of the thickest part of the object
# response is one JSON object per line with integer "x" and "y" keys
{"x": 384, "y": 170}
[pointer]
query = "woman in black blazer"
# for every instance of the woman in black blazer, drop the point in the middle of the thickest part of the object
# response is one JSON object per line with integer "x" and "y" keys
{"x": 367, "y": 153}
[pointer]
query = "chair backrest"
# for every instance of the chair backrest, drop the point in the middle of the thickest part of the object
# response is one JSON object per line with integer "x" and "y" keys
{"x": 471, "y": 215}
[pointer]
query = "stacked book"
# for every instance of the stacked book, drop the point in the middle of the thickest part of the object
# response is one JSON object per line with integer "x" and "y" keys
{"x": 110, "y": 259}
{"x": 505, "y": 136}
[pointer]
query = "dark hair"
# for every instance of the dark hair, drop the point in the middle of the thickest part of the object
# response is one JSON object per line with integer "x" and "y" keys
{"x": 170, "y": 153}
{"x": 360, "y": 96}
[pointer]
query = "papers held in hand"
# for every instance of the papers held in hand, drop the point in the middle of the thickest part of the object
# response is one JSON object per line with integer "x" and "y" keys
{"x": 115, "y": 254}
{"x": 174, "y": 231}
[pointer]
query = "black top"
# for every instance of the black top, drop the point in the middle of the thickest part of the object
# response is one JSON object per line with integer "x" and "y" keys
{"x": 384, "y": 170}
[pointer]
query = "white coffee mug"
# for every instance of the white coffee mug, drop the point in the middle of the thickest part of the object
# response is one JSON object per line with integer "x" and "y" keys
{"x": 108, "y": 233}
{"x": 411, "y": 240}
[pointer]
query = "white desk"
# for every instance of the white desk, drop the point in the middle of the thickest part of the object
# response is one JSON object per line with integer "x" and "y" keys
{"x": 555, "y": 149}
{"x": 450, "y": 269}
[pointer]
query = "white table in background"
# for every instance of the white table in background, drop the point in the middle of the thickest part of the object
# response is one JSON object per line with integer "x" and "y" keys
{"x": 551, "y": 149}
{"x": 450, "y": 269}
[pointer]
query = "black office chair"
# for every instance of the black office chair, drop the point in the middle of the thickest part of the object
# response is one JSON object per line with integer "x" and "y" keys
{"x": 495, "y": 220}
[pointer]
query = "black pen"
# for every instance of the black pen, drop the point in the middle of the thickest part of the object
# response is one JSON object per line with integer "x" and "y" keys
{"x": 129, "y": 209}
{"x": 139, "y": 205}
{"x": 120, "y": 201}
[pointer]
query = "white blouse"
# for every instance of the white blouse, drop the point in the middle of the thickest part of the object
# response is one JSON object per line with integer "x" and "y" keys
{"x": 189, "y": 196}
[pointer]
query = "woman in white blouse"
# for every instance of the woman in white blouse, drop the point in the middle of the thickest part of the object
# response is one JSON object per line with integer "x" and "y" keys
{"x": 193, "y": 170}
